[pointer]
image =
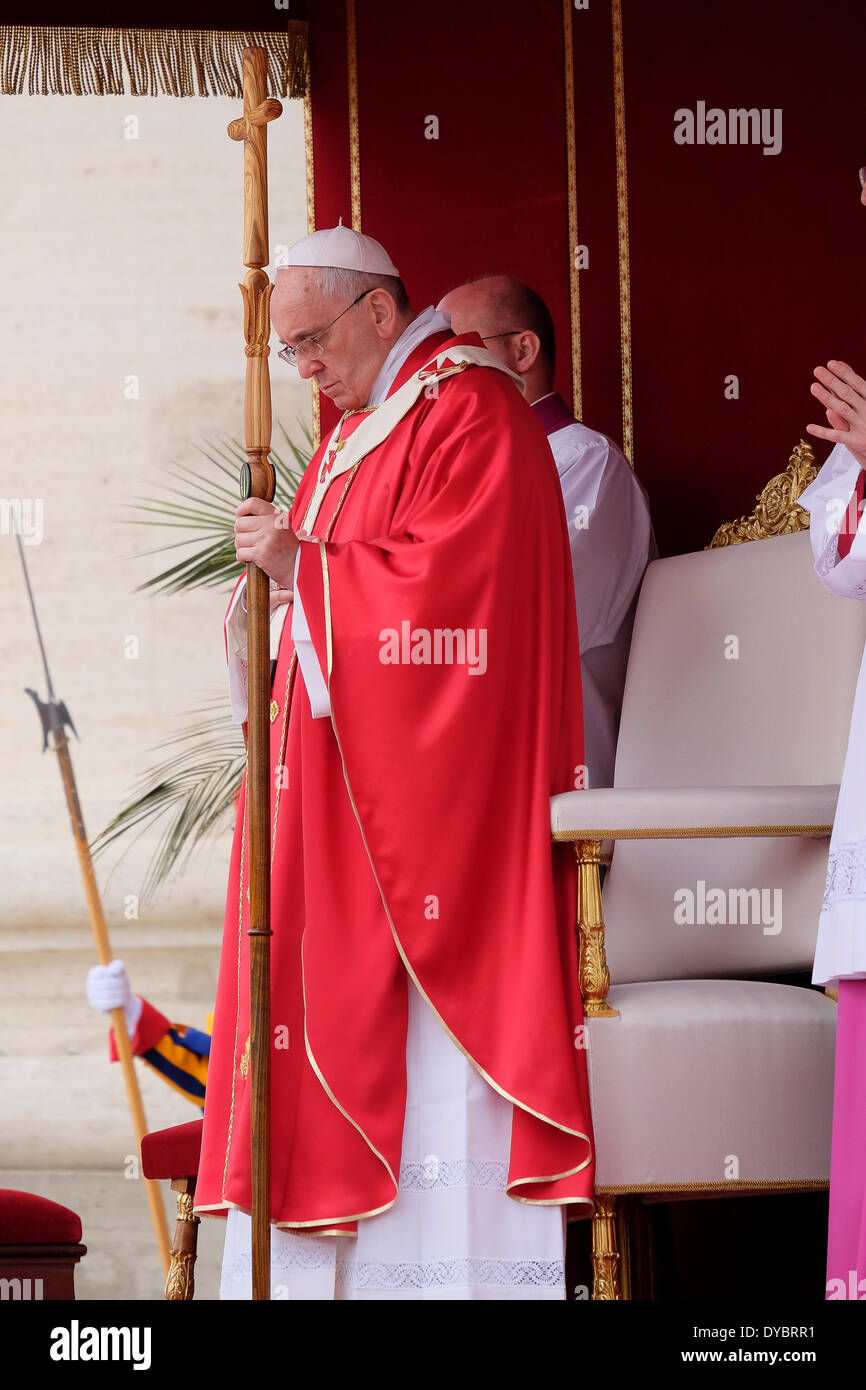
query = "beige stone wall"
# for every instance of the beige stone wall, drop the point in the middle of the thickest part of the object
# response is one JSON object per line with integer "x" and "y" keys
{"x": 121, "y": 259}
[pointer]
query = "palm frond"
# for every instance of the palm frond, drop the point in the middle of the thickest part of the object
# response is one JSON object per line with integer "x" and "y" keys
{"x": 192, "y": 791}
{"x": 195, "y": 788}
{"x": 206, "y": 507}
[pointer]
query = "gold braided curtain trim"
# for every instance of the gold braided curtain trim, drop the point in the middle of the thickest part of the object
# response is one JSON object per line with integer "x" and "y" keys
{"x": 147, "y": 62}
{"x": 354, "y": 129}
{"x": 571, "y": 175}
{"x": 622, "y": 232}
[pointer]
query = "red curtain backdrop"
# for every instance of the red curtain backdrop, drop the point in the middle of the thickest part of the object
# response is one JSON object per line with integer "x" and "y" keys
{"x": 742, "y": 264}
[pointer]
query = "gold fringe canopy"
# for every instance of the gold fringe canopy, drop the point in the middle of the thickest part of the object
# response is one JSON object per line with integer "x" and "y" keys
{"x": 146, "y": 62}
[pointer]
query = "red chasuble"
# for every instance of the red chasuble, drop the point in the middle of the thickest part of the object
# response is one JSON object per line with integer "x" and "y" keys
{"x": 412, "y": 826}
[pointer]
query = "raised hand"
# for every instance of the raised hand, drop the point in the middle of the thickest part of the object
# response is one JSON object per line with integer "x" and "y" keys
{"x": 843, "y": 394}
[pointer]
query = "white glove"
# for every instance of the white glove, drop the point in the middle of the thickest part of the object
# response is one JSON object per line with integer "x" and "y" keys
{"x": 108, "y": 988}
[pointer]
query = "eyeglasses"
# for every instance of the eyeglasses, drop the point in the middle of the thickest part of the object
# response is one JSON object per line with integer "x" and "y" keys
{"x": 509, "y": 333}
{"x": 311, "y": 347}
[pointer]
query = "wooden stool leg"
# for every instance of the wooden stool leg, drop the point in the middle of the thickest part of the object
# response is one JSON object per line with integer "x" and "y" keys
{"x": 605, "y": 1255}
{"x": 180, "y": 1283}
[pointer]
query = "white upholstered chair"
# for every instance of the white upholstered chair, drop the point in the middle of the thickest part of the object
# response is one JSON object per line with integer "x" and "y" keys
{"x": 705, "y": 1078}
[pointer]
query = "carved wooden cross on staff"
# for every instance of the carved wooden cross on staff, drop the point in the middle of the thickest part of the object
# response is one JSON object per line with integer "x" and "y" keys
{"x": 258, "y": 480}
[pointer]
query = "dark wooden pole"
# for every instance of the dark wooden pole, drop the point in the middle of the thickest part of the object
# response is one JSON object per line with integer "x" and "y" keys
{"x": 258, "y": 480}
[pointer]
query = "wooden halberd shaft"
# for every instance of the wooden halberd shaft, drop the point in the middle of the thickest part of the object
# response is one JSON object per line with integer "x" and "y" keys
{"x": 55, "y": 717}
{"x": 118, "y": 1017}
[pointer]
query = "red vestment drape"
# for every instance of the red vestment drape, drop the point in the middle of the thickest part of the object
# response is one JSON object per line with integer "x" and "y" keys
{"x": 412, "y": 827}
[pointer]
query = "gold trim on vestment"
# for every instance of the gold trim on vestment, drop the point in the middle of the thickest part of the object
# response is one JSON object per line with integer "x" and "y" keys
{"x": 326, "y": 590}
{"x": 565, "y": 1129}
{"x": 317, "y": 416}
{"x": 354, "y": 134}
{"x": 548, "y": 1177}
{"x": 363, "y": 441}
{"x": 622, "y": 231}
{"x": 238, "y": 984}
{"x": 296, "y": 1227}
{"x": 571, "y": 176}
{"x": 313, "y": 1063}
{"x": 282, "y": 754}
{"x": 283, "y": 733}
{"x": 552, "y": 1201}
{"x": 313, "y": 1235}
{"x": 330, "y": 1094}
{"x": 549, "y": 1201}
{"x": 693, "y": 832}
{"x": 281, "y": 763}
{"x": 336, "y": 441}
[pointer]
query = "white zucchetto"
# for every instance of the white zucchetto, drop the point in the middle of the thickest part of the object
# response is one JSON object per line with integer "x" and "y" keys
{"x": 341, "y": 248}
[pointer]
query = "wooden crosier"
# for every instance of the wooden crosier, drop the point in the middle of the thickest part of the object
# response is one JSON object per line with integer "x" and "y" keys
{"x": 258, "y": 480}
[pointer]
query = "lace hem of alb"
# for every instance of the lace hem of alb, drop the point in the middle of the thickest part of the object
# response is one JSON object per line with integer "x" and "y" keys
{"x": 846, "y": 874}
{"x": 828, "y": 558}
{"x": 309, "y": 1255}
{"x": 827, "y": 562}
{"x": 474, "y": 1271}
{"x": 402, "y": 1274}
{"x": 434, "y": 1172}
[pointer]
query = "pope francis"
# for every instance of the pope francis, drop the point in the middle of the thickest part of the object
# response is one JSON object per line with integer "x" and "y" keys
{"x": 429, "y": 1106}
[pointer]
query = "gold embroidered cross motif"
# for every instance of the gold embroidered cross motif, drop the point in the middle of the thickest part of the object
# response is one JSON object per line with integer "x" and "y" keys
{"x": 245, "y": 1058}
{"x": 328, "y": 463}
{"x": 445, "y": 368}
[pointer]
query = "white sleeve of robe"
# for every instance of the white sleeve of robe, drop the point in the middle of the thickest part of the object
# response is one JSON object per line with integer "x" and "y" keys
{"x": 826, "y": 501}
{"x": 608, "y": 529}
{"x": 308, "y": 661}
{"x": 840, "y": 951}
{"x": 236, "y": 651}
{"x": 611, "y": 541}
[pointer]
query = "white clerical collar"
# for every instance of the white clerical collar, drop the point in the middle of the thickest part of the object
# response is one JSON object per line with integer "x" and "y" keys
{"x": 543, "y": 398}
{"x": 430, "y": 321}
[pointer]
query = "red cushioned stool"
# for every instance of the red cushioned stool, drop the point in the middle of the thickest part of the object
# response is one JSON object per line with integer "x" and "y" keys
{"x": 40, "y": 1245}
{"x": 174, "y": 1153}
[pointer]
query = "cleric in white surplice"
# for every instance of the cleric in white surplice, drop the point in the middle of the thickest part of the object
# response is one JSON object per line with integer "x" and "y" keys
{"x": 607, "y": 512}
{"x": 835, "y": 502}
